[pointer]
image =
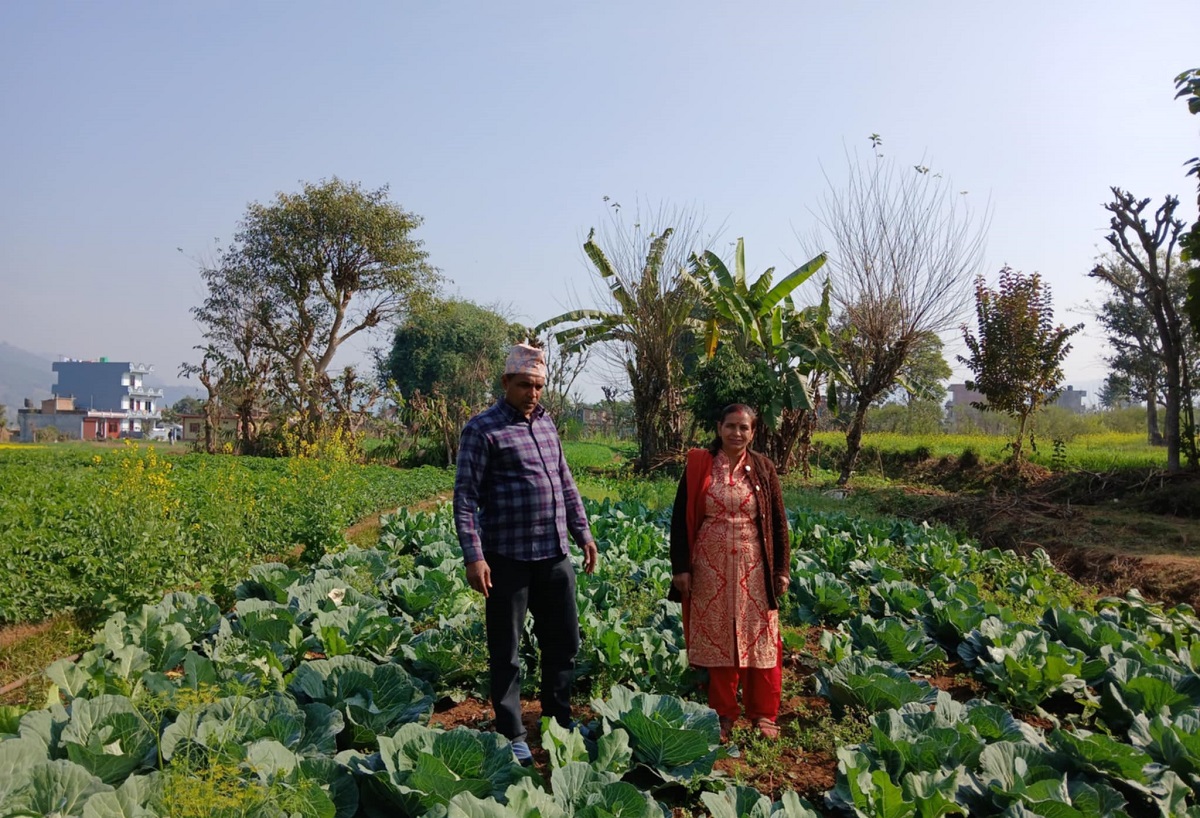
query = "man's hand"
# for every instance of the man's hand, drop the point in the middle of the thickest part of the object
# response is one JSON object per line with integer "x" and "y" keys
{"x": 590, "y": 555}
{"x": 683, "y": 583}
{"x": 479, "y": 576}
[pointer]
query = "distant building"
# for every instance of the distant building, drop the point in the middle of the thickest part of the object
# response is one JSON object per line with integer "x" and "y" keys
{"x": 228, "y": 427}
{"x": 68, "y": 421}
{"x": 110, "y": 386}
{"x": 1071, "y": 399}
{"x": 960, "y": 395}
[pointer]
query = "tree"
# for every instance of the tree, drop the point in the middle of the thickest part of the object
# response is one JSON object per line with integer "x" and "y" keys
{"x": 187, "y": 405}
{"x": 1137, "y": 362}
{"x": 646, "y": 324}
{"x": 563, "y": 368}
{"x": 446, "y": 360}
{"x": 1187, "y": 86}
{"x": 1115, "y": 393}
{"x": 1018, "y": 354}
{"x": 786, "y": 346}
{"x": 451, "y": 346}
{"x": 237, "y": 362}
{"x": 904, "y": 248}
{"x": 730, "y": 377}
{"x": 924, "y": 372}
{"x": 315, "y": 269}
{"x": 916, "y": 404}
{"x": 1149, "y": 251}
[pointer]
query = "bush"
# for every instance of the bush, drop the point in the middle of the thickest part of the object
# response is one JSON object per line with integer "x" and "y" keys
{"x": 921, "y": 417}
{"x": 1131, "y": 419}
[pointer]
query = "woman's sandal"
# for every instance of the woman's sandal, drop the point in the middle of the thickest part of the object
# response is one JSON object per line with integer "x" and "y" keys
{"x": 726, "y": 728}
{"x": 767, "y": 728}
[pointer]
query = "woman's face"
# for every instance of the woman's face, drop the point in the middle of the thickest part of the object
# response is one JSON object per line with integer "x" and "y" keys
{"x": 736, "y": 430}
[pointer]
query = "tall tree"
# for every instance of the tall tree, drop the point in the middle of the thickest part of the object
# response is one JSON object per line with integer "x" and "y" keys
{"x": 1018, "y": 354}
{"x": 646, "y": 324}
{"x": 1150, "y": 252}
{"x": 320, "y": 267}
{"x": 1137, "y": 363}
{"x": 904, "y": 247}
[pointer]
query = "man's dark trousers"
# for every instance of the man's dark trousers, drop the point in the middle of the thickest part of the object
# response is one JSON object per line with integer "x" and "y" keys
{"x": 546, "y": 588}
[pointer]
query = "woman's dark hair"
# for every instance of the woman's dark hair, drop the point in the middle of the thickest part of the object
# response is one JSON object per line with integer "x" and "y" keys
{"x": 715, "y": 446}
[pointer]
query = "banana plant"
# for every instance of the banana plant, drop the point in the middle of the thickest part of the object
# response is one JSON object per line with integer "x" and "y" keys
{"x": 748, "y": 315}
{"x": 762, "y": 320}
{"x": 652, "y": 314}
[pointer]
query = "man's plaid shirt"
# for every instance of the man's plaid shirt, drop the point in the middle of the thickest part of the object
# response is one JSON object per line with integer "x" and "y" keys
{"x": 513, "y": 493}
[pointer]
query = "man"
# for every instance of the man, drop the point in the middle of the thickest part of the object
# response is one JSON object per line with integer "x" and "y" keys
{"x": 514, "y": 504}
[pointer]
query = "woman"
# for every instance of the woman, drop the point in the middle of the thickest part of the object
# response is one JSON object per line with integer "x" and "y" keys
{"x": 730, "y": 553}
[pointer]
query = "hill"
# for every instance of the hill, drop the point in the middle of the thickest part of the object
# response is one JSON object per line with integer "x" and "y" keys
{"x": 22, "y": 375}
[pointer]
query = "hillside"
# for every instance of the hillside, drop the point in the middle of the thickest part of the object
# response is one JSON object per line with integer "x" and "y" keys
{"x": 22, "y": 375}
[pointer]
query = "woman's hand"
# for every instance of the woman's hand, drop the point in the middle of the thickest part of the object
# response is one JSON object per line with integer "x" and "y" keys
{"x": 683, "y": 583}
{"x": 781, "y": 585}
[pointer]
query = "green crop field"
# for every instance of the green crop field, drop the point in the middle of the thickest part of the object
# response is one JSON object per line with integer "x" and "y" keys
{"x": 313, "y": 693}
{"x": 1091, "y": 452}
{"x": 88, "y": 528}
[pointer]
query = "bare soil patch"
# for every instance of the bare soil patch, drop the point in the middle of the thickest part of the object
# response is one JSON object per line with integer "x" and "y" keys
{"x": 1113, "y": 531}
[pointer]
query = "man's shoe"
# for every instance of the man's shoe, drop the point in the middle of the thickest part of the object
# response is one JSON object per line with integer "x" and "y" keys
{"x": 522, "y": 754}
{"x": 584, "y": 730}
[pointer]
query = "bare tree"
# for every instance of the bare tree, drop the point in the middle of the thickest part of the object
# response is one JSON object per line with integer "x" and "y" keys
{"x": 1149, "y": 250}
{"x": 904, "y": 248}
{"x": 563, "y": 368}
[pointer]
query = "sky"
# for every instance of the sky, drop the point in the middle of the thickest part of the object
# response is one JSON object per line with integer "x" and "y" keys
{"x": 136, "y": 134}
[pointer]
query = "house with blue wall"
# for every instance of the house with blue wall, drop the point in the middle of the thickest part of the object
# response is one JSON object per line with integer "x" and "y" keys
{"x": 110, "y": 386}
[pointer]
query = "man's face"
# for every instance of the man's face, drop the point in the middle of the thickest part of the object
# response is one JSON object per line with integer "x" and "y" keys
{"x": 523, "y": 392}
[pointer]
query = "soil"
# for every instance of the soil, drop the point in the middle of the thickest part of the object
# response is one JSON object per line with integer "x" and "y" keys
{"x": 1114, "y": 532}
{"x": 808, "y": 772}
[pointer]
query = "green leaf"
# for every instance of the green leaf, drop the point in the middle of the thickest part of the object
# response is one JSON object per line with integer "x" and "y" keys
{"x": 109, "y": 738}
{"x": 792, "y": 280}
{"x": 130, "y": 800}
{"x": 58, "y": 788}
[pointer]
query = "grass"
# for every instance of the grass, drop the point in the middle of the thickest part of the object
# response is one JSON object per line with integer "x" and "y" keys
{"x": 27, "y": 650}
{"x": 884, "y": 452}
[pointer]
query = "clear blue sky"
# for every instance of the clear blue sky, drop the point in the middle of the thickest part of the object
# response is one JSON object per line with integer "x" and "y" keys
{"x": 133, "y": 129}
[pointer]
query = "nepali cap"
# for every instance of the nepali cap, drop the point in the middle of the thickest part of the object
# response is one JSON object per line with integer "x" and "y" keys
{"x": 524, "y": 359}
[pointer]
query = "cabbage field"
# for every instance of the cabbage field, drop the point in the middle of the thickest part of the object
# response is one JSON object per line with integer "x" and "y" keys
{"x": 974, "y": 683}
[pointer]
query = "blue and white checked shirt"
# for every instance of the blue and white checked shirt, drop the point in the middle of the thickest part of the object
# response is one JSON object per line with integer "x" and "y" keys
{"x": 513, "y": 493}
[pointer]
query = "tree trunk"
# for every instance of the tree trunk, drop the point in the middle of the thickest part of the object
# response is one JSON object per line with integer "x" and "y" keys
{"x": 245, "y": 413}
{"x": 1018, "y": 444}
{"x": 854, "y": 439}
{"x": 1174, "y": 398}
{"x": 1153, "y": 436}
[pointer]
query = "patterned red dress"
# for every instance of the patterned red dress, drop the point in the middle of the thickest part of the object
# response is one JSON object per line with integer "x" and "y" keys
{"x": 731, "y": 623}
